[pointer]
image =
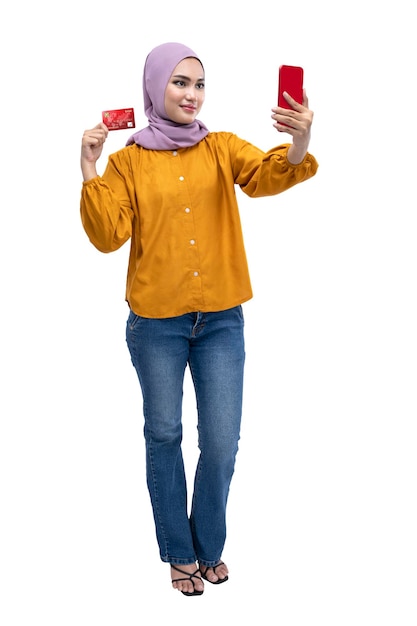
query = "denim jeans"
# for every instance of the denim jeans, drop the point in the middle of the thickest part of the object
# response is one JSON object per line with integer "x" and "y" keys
{"x": 212, "y": 345}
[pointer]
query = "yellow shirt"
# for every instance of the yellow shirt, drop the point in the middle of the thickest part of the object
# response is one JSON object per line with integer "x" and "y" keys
{"x": 180, "y": 211}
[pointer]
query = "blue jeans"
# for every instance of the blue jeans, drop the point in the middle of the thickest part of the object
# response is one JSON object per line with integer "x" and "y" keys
{"x": 212, "y": 345}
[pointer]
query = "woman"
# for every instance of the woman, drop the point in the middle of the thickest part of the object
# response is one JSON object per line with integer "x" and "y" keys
{"x": 171, "y": 191}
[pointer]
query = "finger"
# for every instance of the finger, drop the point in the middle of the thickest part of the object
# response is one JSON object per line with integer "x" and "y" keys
{"x": 296, "y": 106}
{"x": 100, "y": 130}
{"x": 94, "y": 138}
{"x": 103, "y": 127}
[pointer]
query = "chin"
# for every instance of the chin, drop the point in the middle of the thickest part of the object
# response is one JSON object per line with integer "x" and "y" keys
{"x": 186, "y": 119}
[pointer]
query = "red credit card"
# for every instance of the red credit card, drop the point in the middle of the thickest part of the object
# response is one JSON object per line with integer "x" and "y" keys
{"x": 118, "y": 119}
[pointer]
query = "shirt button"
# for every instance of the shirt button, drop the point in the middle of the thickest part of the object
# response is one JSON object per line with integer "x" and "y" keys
{"x": 181, "y": 177}
{"x": 195, "y": 273}
{"x": 192, "y": 241}
{"x": 187, "y": 210}
{"x": 174, "y": 153}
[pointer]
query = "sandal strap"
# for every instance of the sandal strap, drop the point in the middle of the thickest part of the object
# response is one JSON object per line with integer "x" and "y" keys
{"x": 187, "y": 575}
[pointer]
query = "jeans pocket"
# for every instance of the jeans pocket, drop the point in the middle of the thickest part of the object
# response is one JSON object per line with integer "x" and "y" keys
{"x": 132, "y": 320}
{"x": 240, "y": 313}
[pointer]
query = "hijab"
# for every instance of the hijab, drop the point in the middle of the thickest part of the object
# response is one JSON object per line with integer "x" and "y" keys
{"x": 162, "y": 133}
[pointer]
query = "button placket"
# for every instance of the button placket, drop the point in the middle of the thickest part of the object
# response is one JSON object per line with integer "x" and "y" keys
{"x": 193, "y": 250}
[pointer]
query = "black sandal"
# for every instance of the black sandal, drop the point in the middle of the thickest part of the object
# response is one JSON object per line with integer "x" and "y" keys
{"x": 187, "y": 577}
{"x": 219, "y": 580}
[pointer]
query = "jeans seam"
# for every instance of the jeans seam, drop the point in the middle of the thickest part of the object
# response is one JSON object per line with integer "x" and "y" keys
{"x": 156, "y": 496}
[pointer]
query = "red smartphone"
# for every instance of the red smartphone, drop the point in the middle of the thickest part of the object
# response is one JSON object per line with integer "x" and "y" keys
{"x": 290, "y": 79}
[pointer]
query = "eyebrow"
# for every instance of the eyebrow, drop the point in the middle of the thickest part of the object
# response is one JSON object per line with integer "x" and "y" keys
{"x": 186, "y": 77}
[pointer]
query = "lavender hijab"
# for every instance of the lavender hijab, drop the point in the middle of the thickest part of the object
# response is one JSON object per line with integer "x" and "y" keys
{"x": 162, "y": 133}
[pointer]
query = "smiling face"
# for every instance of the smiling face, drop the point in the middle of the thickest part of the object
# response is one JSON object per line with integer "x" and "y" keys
{"x": 184, "y": 93}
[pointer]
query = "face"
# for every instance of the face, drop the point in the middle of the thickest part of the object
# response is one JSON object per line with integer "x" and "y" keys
{"x": 184, "y": 94}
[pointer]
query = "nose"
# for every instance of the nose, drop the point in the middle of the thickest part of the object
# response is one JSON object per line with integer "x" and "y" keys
{"x": 191, "y": 94}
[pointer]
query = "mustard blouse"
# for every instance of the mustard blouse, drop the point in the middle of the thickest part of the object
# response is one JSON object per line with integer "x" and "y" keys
{"x": 179, "y": 209}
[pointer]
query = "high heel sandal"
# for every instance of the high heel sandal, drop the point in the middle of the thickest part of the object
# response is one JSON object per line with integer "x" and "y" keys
{"x": 188, "y": 577}
{"x": 213, "y": 582}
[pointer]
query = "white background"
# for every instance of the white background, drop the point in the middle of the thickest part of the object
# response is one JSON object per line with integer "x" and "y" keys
{"x": 322, "y": 509}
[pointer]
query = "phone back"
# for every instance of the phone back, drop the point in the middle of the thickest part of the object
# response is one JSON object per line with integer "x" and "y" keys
{"x": 291, "y": 79}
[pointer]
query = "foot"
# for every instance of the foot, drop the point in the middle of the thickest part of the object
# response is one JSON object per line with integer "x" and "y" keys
{"x": 217, "y": 574}
{"x": 187, "y": 579}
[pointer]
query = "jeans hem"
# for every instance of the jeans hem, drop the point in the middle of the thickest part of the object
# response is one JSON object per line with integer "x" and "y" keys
{"x": 172, "y": 560}
{"x": 209, "y": 563}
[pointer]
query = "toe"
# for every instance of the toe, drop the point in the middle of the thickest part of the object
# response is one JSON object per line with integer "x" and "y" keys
{"x": 212, "y": 575}
{"x": 222, "y": 571}
{"x": 185, "y": 584}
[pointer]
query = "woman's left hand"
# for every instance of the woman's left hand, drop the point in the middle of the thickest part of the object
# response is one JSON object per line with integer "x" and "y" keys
{"x": 296, "y": 122}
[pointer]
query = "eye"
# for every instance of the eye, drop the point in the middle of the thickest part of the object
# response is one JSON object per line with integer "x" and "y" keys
{"x": 179, "y": 83}
{"x": 200, "y": 85}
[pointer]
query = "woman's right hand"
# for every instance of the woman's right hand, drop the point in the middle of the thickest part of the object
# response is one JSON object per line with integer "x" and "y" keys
{"x": 91, "y": 149}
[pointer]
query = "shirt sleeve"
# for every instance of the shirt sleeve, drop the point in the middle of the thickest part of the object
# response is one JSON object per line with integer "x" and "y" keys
{"x": 261, "y": 173}
{"x": 105, "y": 207}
